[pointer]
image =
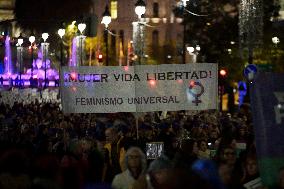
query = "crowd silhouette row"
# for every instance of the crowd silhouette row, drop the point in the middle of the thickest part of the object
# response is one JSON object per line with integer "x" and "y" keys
{"x": 40, "y": 147}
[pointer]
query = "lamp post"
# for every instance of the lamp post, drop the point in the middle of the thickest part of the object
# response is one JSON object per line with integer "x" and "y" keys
{"x": 184, "y": 2}
{"x": 61, "y": 33}
{"x": 140, "y": 9}
{"x": 20, "y": 55}
{"x": 32, "y": 40}
{"x": 81, "y": 27}
{"x": 44, "y": 46}
{"x": 194, "y": 52}
{"x": 106, "y": 21}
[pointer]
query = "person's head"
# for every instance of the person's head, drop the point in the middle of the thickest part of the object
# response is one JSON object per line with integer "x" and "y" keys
{"x": 214, "y": 134}
{"x": 202, "y": 145}
{"x": 158, "y": 172}
{"x": 251, "y": 166}
{"x": 228, "y": 154}
{"x": 111, "y": 135}
{"x": 135, "y": 158}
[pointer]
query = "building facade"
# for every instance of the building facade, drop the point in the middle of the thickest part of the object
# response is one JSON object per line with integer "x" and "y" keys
{"x": 7, "y": 13}
{"x": 163, "y": 34}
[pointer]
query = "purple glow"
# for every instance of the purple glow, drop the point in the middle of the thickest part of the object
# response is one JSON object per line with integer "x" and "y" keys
{"x": 73, "y": 61}
{"x": 8, "y": 58}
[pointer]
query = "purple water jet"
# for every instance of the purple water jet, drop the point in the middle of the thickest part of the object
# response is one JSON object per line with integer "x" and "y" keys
{"x": 8, "y": 58}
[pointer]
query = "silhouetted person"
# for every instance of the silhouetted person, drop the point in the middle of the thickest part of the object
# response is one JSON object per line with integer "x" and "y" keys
{"x": 1, "y": 80}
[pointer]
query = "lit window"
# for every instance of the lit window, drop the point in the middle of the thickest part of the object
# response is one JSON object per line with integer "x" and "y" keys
{"x": 113, "y": 9}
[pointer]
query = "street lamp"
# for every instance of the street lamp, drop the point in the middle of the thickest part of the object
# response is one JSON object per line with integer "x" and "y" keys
{"x": 61, "y": 33}
{"x": 20, "y": 55}
{"x": 140, "y": 9}
{"x": 32, "y": 40}
{"x": 275, "y": 40}
{"x": 44, "y": 46}
{"x": 184, "y": 2}
{"x": 194, "y": 52}
{"x": 106, "y": 21}
{"x": 81, "y": 27}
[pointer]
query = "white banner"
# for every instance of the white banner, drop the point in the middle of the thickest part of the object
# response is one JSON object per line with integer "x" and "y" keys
{"x": 141, "y": 88}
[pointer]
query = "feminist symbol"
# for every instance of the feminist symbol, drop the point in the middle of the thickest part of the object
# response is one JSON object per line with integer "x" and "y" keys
{"x": 196, "y": 95}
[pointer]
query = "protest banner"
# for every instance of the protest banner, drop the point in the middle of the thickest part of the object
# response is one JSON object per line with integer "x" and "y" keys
{"x": 267, "y": 100}
{"x": 141, "y": 88}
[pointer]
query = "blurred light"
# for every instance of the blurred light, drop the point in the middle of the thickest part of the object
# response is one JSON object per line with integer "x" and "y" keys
{"x": 190, "y": 49}
{"x": 275, "y": 40}
{"x": 146, "y": 55}
{"x": 180, "y": 81}
{"x": 106, "y": 17}
{"x": 198, "y": 48}
{"x": 279, "y": 106}
{"x": 230, "y": 51}
{"x": 191, "y": 83}
{"x": 152, "y": 83}
{"x": 169, "y": 56}
{"x": 184, "y": 2}
{"x": 208, "y": 24}
{"x": 140, "y": 8}
{"x": 73, "y": 75}
{"x": 82, "y": 27}
{"x": 20, "y": 40}
{"x": 61, "y": 32}
{"x": 32, "y": 39}
{"x": 234, "y": 90}
{"x": 126, "y": 68}
{"x": 232, "y": 42}
{"x": 223, "y": 72}
{"x": 44, "y": 36}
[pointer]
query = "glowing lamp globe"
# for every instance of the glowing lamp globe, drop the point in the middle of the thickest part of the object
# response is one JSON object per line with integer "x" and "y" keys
{"x": 81, "y": 27}
{"x": 223, "y": 72}
{"x": 61, "y": 32}
{"x": 106, "y": 17}
{"x": 32, "y": 39}
{"x": 44, "y": 36}
{"x": 190, "y": 49}
{"x": 198, "y": 48}
{"x": 140, "y": 8}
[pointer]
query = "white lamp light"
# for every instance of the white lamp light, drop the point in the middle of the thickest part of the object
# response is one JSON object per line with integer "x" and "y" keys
{"x": 275, "y": 40}
{"x": 198, "y": 48}
{"x": 106, "y": 17}
{"x": 140, "y": 8}
{"x": 61, "y": 32}
{"x": 190, "y": 49}
{"x": 44, "y": 36}
{"x": 184, "y": 2}
{"x": 20, "y": 40}
{"x": 81, "y": 27}
{"x": 32, "y": 39}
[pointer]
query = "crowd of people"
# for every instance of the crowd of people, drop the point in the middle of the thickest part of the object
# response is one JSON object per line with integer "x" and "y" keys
{"x": 40, "y": 147}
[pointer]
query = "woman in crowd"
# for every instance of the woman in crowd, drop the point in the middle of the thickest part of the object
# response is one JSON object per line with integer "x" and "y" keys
{"x": 135, "y": 162}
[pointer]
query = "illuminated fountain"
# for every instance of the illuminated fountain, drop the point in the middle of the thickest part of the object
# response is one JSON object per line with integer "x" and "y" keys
{"x": 38, "y": 70}
{"x": 8, "y": 58}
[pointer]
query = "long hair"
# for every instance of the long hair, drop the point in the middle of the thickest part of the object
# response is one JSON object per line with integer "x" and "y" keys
{"x": 142, "y": 158}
